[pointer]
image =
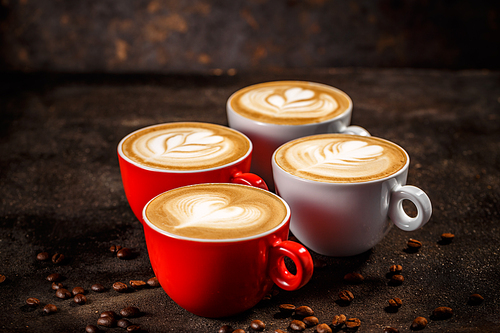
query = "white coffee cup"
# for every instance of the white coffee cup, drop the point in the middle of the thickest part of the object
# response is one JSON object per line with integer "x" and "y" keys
{"x": 340, "y": 205}
{"x": 292, "y": 109}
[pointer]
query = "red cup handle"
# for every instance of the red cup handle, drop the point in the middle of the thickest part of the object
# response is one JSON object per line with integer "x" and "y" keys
{"x": 247, "y": 178}
{"x": 302, "y": 260}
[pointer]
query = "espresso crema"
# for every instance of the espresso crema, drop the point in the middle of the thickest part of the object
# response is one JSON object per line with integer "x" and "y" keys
{"x": 290, "y": 102}
{"x": 185, "y": 146}
{"x": 216, "y": 211}
{"x": 340, "y": 158}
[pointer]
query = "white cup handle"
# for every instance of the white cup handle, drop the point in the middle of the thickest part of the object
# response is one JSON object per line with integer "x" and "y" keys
{"x": 420, "y": 200}
{"x": 357, "y": 130}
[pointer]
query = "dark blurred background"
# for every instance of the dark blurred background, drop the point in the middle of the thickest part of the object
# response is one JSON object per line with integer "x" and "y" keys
{"x": 176, "y": 36}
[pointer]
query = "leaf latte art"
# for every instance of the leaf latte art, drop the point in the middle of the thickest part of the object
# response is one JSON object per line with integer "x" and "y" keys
{"x": 216, "y": 211}
{"x": 340, "y": 158}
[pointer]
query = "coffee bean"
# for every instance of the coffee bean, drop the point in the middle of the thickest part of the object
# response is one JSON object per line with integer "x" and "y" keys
{"x": 258, "y": 325}
{"x": 310, "y": 321}
{"x": 352, "y": 323}
{"x": 395, "y": 302}
{"x": 476, "y": 299}
{"x": 346, "y": 296}
{"x": 391, "y": 330}
{"x": 55, "y": 277}
{"x": 396, "y": 269}
{"x": 106, "y": 321}
{"x": 57, "y": 285}
{"x": 92, "y": 329}
{"x": 111, "y": 314}
{"x": 99, "y": 288}
{"x": 225, "y": 329}
{"x": 414, "y": 244}
{"x": 297, "y": 325}
{"x": 63, "y": 293}
{"x": 130, "y": 312}
{"x": 442, "y": 312}
{"x": 323, "y": 328}
{"x": 80, "y": 299}
{"x": 419, "y": 324}
{"x": 124, "y": 253}
{"x": 42, "y": 256}
{"x": 319, "y": 263}
{"x": 115, "y": 248}
{"x": 447, "y": 237}
{"x": 134, "y": 328}
{"x": 153, "y": 282}
{"x": 304, "y": 311}
{"x": 287, "y": 309}
{"x": 120, "y": 287}
{"x": 239, "y": 330}
{"x": 49, "y": 309}
{"x": 58, "y": 258}
{"x": 123, "y": 323}
{"x": 78, "y": 290}
{"x": 339, "y": 320}
{"x": 353, "y": 278}
{"x": 2, "y": 278}
{"x": 397, "y": 280}
{"x": 137, "y": 284}
{"x": 32, "y": 301}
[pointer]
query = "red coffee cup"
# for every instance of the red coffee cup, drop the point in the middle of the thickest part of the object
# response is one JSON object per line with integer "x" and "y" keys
{"x": 141, "y": 183}
{"x": 219, "y": 278}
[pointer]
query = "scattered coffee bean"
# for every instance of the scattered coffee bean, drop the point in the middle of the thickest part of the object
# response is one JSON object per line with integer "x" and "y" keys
{"x": 352, "y": 323}
{"x": 310, "y": 321}
{"x": 42, "y": 256}
{"x": 476, "y": 299}
{"x": 106, "y": 321}
{"x": 414, "y": 244}
{"x": 57, "y": 285}
{"x": 80, "y": 299}
{"x": 98, "y": 288}
{"x": 397, "y": 280}
{"x": 137, "y": 284}
{"x": 346, "y": 296}
{"x": 297, "y": 325}
{"x": 447, "y": 237}
{"x": 258, "y": 325}
{"x": 130, "y": 312}
{"x": 239, "y": 330}
{"x": 319, "y": 263}
{"x": 32, "y": 301}
{"x": 2, "y": 278}
{"x": 391, "y": 330}
{"x": 323, "y": 328}
{"x": 134, "y": 328}
{"x": 58, "y": 258}
{"x": 63, "y": 293}
{"x": 78, "y": 290}
{"x": 55, "y": 277}
{"x": 304, "y": 311}
{"x": 125, "y": 253}
{"x": 115, "y": 248}
{"x": 396, "y": 269}
{"x": 49, "y": 309}
{"x": 419, "y": 324}
{"x": 120, "y": 287}
{"x": 225, "y": 329}
{"x": 123, "y": 323}
{"x": 339, "y": 320}
{"x": 395, "y": 302}
{"x": 442, "y": 312}
{"x": 353, "y": 278}
{"x": 111, "y": 314}
{"x": 287, "y": 309}
{"x": 153, "y": 282}
{"x": 92, "y": 329}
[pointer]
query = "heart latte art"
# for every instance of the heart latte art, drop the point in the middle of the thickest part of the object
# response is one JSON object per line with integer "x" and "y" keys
{"x": 290, "y": 102}
{"x": 340, "y": 158}
{"x": 185, "y": 146}
{"x": 216, "y": 211}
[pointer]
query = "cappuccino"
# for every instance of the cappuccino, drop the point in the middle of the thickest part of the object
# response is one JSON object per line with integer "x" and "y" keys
{"x": 185, "y": 146}
{"x": 290, "y": 102}
{"x": 216, "y": 211}
{"x": 341, "y": 158}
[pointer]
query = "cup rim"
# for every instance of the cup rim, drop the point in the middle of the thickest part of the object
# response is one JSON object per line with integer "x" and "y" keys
{"x": 348, "y": 110}
{"x": 285, "y": 220}
{"x": 144, "y": 167}
{"x": 373, "y": 181}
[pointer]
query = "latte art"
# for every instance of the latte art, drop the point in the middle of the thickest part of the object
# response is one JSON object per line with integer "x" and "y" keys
{"x": 216, "y": 211}
{"x": 340, "y": 158}
{"x": 290, "y": 102}
{"x": 185, "y": 146}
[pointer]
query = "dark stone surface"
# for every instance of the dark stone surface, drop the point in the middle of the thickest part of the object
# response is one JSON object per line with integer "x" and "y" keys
{"x": 60, "y": 191}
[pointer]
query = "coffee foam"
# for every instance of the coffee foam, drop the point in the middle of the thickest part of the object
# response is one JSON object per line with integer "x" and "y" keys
{"x": 216, "y": 211}
{"x": 185, "y": 146}
{"x": 340, "y": 158}
{"x": 290, "y": 102}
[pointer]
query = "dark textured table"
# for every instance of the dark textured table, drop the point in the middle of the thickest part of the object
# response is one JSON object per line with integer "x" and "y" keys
{"x": 61, "y": 192}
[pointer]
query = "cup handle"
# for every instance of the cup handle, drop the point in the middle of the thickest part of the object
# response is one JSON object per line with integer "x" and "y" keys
{"x": 246, "y": 178}
{"x": 419, "y": 199}
{"x": 302, "y": 260}
{"x": 357, "y": 130}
